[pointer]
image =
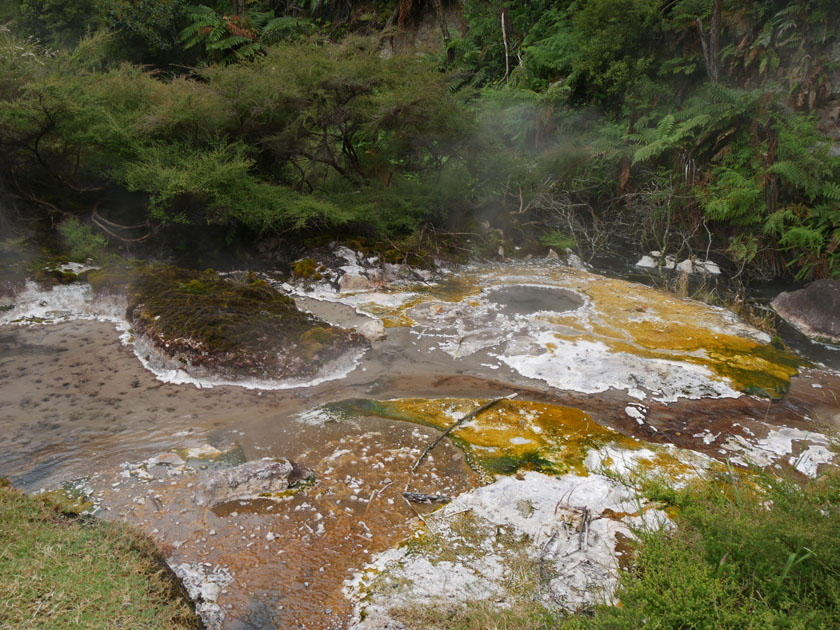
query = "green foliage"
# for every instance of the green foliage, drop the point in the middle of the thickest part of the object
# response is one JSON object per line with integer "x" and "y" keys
{"x": 147, "y": 24}
{"x": 745, "y": 553}
{"x": 21, "y": 61}
{"x": 597, "y": 49}
{"x": 771, "y": 180}
{"x": 55, "y": 21}
{"x": 227, "y": 37}
{"x": 340, "y": 136}
{"x": 83, "y": 244}
{"x": 180, "y": 179}
{"x": 702, "y": 124}
{"x": 614, "y": 45}
{"x": 482, "y": 53}
{"x": 141, "y": 28}
{"x": 603, "y": 112}
{"x": 558, "y": 240}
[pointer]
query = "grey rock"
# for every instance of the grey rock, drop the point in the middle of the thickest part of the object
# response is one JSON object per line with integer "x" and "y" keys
{"x": 249, "y": 480}
{"x": 815, "y": 310}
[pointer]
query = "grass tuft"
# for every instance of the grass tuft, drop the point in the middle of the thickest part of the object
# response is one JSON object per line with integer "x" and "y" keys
{"x": 60, "y": 572}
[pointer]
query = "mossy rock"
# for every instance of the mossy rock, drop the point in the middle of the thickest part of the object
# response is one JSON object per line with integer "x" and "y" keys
{"x": 114, "y": 278}
{"x": 53, "y": 277}
{"x": 240, "y": 328}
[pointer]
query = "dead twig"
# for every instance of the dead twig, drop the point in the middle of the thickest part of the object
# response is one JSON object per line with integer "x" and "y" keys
{"x": 420, "y": 516}
{"x": 458, "y": 423}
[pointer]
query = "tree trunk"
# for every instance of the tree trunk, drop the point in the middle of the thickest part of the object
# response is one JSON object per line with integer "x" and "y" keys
{"x": 450, "y": 54}
{"x": 239, "y": 7}
{"x": 710, "y": 42}
{"x": 714, "y": 42}
{"x": 503, "y": 17}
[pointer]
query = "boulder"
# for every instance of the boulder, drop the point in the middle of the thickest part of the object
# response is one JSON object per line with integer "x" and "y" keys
{"x": 372, "y": 330}
{"x": 249, "y": 480}
{"x": 392, "y": 272}
{"x": 815, "y": 310}
{"x": 351, "y": 282}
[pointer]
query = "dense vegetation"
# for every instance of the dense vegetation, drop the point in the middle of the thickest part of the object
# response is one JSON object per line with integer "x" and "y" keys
{"x": 688, "y": 126}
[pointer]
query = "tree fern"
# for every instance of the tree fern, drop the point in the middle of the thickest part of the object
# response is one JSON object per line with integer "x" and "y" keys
{"x": 234, "y": 38}
{"x": 202, "y": 18}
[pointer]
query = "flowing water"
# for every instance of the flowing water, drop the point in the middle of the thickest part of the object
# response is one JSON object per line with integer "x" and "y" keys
{"x": 599, "y": 365}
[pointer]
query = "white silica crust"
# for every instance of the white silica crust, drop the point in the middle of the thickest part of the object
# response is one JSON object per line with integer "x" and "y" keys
{"x": 204, "y": 585}
{"x": 779, "y": 444}
{"x": 169, "y": 370}
{"x": 569, "y": 524}
{"x": 35, "y": 306}
{"x": 591, "y": 367}
{"x": 573, "y": 342}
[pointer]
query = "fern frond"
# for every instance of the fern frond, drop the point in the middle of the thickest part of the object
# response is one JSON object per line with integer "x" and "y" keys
{"x": 831, "y": 191}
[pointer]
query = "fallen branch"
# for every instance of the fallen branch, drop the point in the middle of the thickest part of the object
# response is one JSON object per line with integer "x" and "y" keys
{"x": 95, "y": 214}
{"x": 458, "y": 423}
{"x": 102, "y": 224}
{"x": 420, "y": 497}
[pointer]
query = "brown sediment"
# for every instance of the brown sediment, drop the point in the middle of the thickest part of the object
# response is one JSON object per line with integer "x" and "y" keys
{"x": 294, "y": 554}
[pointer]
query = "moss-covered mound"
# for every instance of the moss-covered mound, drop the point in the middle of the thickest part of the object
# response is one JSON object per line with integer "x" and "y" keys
{"x": 237, "y": 327}
{"x": 60, "y": 571}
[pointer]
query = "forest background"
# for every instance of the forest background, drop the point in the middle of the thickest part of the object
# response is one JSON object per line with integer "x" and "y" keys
{"x": 168, "y": 128}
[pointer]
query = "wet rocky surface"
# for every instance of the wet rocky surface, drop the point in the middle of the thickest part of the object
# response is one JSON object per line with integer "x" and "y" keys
{"x": 636, "y": 370}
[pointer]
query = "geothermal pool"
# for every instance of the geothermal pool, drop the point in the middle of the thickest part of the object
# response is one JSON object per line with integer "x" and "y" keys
{"x": 612, "y": 378}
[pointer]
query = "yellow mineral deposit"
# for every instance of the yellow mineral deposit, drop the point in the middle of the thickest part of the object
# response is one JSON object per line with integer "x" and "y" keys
{"x": 627, "y": 318}
{"x": 519, "y": 435}
{"x": 639, "y": 320}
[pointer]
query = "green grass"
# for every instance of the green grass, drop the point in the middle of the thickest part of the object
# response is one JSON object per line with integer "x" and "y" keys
{"x": 58, "y": 571}
{"x": 747, "y": 552}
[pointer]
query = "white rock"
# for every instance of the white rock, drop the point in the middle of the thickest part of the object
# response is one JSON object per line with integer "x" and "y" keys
{"x": 537, "y": 506}
{"x": 372, "y": 330}
{"x": 636, "y": 413}
{"x": 686, "y": 266}
{"x": 168, "y": 459}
